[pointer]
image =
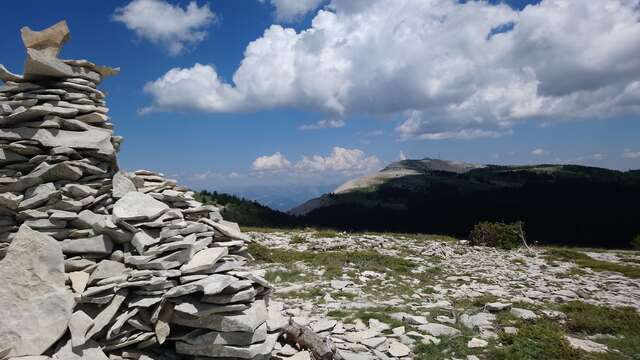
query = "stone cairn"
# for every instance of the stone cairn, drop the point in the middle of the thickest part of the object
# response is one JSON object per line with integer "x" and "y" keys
{"x": 100, "y": 264}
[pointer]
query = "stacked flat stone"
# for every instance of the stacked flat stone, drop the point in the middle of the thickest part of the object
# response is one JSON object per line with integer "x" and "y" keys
{"x": 97, "y": 263}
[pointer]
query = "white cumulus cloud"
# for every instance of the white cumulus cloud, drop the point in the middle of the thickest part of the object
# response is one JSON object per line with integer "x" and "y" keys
{"x": 340, "y": 160}
{"x": 539, "y": 152}
{"x": 271, "y": 163}
{"x": 449, "y": 69}
{"x": 292, "y": 10}
{"x": 168, "y": 25}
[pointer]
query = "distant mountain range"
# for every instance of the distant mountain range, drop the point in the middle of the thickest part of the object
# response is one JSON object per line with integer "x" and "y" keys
{"x": 281, "y": 197}
{"x": 560, "y": 204}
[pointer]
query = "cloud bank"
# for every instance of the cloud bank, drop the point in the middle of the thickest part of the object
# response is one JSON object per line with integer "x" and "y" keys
{"x": 341, "y": 160}
{"x": 447, "y": 69}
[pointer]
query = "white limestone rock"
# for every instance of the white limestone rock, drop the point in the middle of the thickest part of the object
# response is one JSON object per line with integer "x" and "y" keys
{"x": 438, "y": 330}
{"x": 138, "y": 206}
{"x": 122, "y": 185}
{"x": 245, "y": 321}
{"x": 78, "y": 326}
{"x": 477, "y": 343}
{"x": 260, "y": 350}
{"x": 204, "y": 260}
{"x": 204, "y": 339}
{"x": 35, "y": 306}
{"x": 479, "y": 320}
{"x": 586, "y": 345}
{"x": 523, "y": 314}
{"x": 100, "y": 244}
{"x": 398, "y": 349}
{"x": 497, "y": 306}
{"x": 95, "y": 138}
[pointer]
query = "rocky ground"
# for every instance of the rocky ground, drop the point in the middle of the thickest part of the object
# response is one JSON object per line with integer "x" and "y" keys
{"x": 381, "y": 296}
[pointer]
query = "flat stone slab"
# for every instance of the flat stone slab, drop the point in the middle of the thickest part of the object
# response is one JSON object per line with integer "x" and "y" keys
{"x": 438, "y": 330}
{"x": 523, "y": 314}
{"x": 95, "y": 138}
{"x": 586, "y": 345}
{"x": 201, "y": 340}
{"x": 35, "y": 305}
{"x": 211, "y": 285}
{"x": 259, "y": 350}
{"x": 138, "y": 206}
{"x": 100, "y": 244}
{"x": 244, "y": 321}
{"x": 204, "y": 260}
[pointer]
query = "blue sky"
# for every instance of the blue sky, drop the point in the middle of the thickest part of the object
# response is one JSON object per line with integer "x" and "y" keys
{"x": 330, "y": 90}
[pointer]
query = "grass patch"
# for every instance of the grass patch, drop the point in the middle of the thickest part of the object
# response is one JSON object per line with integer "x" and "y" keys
{"x": 541, "y": 341}
{"x": 309, "y": 294}
{"x": 593, "y": 319}
{"x": 595, "y": 265}
{"x": 284, "y": 275}
{"x": 380, "y": 314}
{"x": 265, "y": 229}
{"x": 334, "y": 262}
{"x": 479, "y": 301}
{"x": 325, "y": 234}
{"x": 344, "y": 295}
{"x": 622, "y": 323}
{"x": 545, "y": 339}
{"x": 448, "y": 348}
{"x": 339, "y": 314}
{"x": 576, "y": 271}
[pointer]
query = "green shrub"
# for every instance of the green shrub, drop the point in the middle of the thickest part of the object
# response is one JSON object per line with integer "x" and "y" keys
{"x": 500, "y": 235}
{"x": 635, "y": 243}
{"x": 297, "y": 239}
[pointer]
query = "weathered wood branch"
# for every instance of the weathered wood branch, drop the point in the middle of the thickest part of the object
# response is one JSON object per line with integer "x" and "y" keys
{"x": 307, "y": 339}
{"x": 524, "y": 240}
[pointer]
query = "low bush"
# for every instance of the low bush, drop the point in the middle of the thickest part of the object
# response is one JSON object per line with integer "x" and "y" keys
{"x": 297, "y": 239}
{"x": 496, "y": 234}
{"x": 635, "y": 243}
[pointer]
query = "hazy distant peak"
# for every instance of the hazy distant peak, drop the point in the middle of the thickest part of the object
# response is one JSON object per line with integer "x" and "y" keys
{"x": 428, "y": 164}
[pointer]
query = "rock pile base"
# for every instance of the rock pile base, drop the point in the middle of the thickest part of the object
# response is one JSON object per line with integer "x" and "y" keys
{"x": 97, "y": 263}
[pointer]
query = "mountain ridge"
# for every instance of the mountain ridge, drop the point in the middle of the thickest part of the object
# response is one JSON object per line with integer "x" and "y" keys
{"x": 437, "y": 196}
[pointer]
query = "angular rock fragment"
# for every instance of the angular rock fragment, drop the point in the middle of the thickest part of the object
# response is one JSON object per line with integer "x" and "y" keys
{"x": 204, "y": 260}
{"x": 35, "y": 306}
{"x": 247, "y": 320}
{"x": 78, "y": 326}
{"x": 100, "y": 244}
{"x": 138, "y": 206}
{"x": 122, "y": 185}
{"x": 49, "y": 41}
